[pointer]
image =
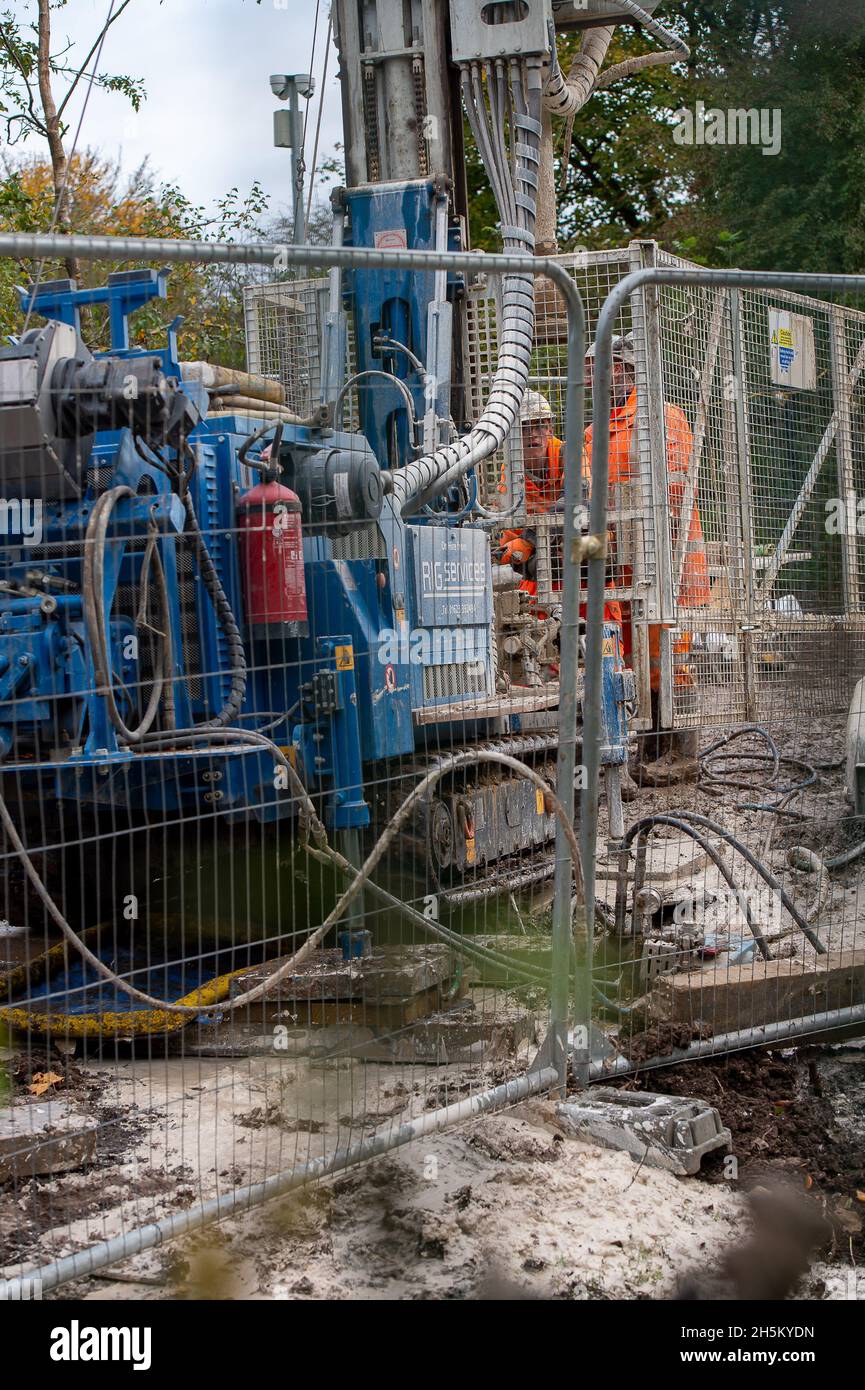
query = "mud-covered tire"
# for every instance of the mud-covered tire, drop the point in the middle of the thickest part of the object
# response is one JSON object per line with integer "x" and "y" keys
{"x": 855, "y": 768}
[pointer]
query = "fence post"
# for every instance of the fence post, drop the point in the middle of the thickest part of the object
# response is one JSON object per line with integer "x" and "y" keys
{"x": 743, "y": 459}
{"x": 844, "y": 457}
{"x": 647, "y": 324}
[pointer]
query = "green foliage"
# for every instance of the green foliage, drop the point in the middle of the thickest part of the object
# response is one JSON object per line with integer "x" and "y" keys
{"x": 19, "y": 98}
{"x": 626, "y": 176}
{"x": 208, "y": 297}
{"x": 801, "y": 209}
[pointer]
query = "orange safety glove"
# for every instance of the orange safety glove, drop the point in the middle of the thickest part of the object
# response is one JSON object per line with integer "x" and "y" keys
{"x": 516, "y": 549}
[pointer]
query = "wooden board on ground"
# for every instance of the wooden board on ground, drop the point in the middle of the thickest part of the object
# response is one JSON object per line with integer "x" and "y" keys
{"x": 391, "y": 973}
{"x": 381, "y": 1016}
{"x": 38, "y": 1138}
{"x": 671, "y": 860}
{"x": 747, "y": 996}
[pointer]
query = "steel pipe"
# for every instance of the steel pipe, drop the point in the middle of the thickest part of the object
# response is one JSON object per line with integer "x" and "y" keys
{"x": 766, "y": 1035}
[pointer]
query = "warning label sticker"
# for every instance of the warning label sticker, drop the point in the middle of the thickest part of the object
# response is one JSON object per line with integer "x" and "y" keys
{"x": 792, "y": 359}
{"x": 394, "y": 239}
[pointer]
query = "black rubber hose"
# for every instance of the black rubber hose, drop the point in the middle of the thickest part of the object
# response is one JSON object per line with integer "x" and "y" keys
{"x": 784, "y": 793}
{"x": 714, "y": 777}
{"x": 93, "y": 584}
{"x": 846, "y": 857}
{"x": 681, "y": 817}
{"x": 649, "y": 822}
{"x": 774, "y": 756}
{"x": 227, "y": 620}
{"x": 224, "y": 612}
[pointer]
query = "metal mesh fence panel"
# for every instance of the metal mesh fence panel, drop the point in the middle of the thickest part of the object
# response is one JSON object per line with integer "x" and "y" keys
{"x": 730, "y": 895}
{"x": 194, "y": 1015}
{"x": 175, "y": 825}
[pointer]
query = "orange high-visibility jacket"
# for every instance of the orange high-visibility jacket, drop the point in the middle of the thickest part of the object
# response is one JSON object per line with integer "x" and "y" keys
{"x": 541, "y": 498}
{"x": 694, "y": 590}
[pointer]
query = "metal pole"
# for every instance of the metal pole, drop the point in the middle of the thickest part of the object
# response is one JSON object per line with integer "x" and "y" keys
{"x": 52, "y": 246}
{"x": 844, "y": 455}
{"x": 847, "y": 1019}
{"x": 745, "y": 631}
{"x": 569, "y": 639}
{"x": 333, "y": 347}
{"x": 297, "y": 167}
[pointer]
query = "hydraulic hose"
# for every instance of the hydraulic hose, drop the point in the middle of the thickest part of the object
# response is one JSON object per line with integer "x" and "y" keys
{"x": 359, "y": 877}
{"x": 655, "y": 27}
{"x": 514, "y": 180}
{"x": 838, "y": 861}
{"x": 530, "y": 974}
{"x": 713, "y": 776}
{"x": 709, "y": 849}
{"x": 225, "y": 616}
{"x": 684, "y": 820}
{"x": 564, "y": 96}
{"x": 798, "y": 857}
{"x": 708, "y": 756}
{"x": 93, "y": 579}
{"x": 95, "y": 619}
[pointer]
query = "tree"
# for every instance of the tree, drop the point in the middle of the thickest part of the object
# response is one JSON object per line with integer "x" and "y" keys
{"x": 623, "y": 175}
{"x": 319, "y": 221}
{"x": 209, "y": 297}
{"x": 802, "y": 208}
{"x": 31, "y": 66}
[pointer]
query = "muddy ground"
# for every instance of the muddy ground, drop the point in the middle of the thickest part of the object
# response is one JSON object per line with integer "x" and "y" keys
{"x": 505, "y": 1207}
{"x": 796, "y": 1118}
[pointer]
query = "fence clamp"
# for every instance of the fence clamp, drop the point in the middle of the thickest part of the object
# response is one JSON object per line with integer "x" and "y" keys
{"x": 588, "y": 548}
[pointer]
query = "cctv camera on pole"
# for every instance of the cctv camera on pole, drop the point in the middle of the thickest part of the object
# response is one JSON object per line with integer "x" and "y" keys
{"x": 288, "y": 135}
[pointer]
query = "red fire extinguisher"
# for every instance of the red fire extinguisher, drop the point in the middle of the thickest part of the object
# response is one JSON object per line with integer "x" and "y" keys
{"x": 270, "y": 543}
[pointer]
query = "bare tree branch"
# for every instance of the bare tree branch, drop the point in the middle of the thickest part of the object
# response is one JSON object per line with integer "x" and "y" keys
{"x": 31, "y": 106}
{"x": 93, "y": 48}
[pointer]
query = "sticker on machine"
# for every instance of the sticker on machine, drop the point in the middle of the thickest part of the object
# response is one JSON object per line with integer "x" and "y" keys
{"x": 342, "y": 495}
{"x": 393, "y": 240}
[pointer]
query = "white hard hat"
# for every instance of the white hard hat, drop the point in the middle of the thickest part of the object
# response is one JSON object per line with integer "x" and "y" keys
{"x": 535, "y": 407}
{"x": 623, "y": 349}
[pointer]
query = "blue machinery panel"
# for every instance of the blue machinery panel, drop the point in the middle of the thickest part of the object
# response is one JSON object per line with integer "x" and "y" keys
{"x": 389, "y": 308}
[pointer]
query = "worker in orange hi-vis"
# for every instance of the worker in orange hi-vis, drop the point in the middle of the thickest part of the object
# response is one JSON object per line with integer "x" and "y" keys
{"x": 694, "y": 589}
{"x": 543, "y": 471}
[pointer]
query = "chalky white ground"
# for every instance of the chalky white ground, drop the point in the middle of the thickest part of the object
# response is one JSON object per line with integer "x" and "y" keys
{"x": 505, "y": 1204}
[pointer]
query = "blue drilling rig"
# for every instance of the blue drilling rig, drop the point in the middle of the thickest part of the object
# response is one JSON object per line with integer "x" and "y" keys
{"x": 184, "y": 590}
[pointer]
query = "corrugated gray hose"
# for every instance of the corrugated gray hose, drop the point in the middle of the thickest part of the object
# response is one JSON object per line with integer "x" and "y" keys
{"x": 563, "y": 97}
{"x": 496, "y": 94}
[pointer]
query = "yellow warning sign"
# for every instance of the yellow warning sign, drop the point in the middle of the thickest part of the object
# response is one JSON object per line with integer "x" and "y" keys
{"x": 609, "y": 648}
{"x": 539, "y": 801}
{"x": 470, "y": 849}
{"x": 344, "y": 658}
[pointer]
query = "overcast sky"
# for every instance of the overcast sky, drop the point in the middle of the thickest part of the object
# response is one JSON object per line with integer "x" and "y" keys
{"x": 207, "y": 122}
